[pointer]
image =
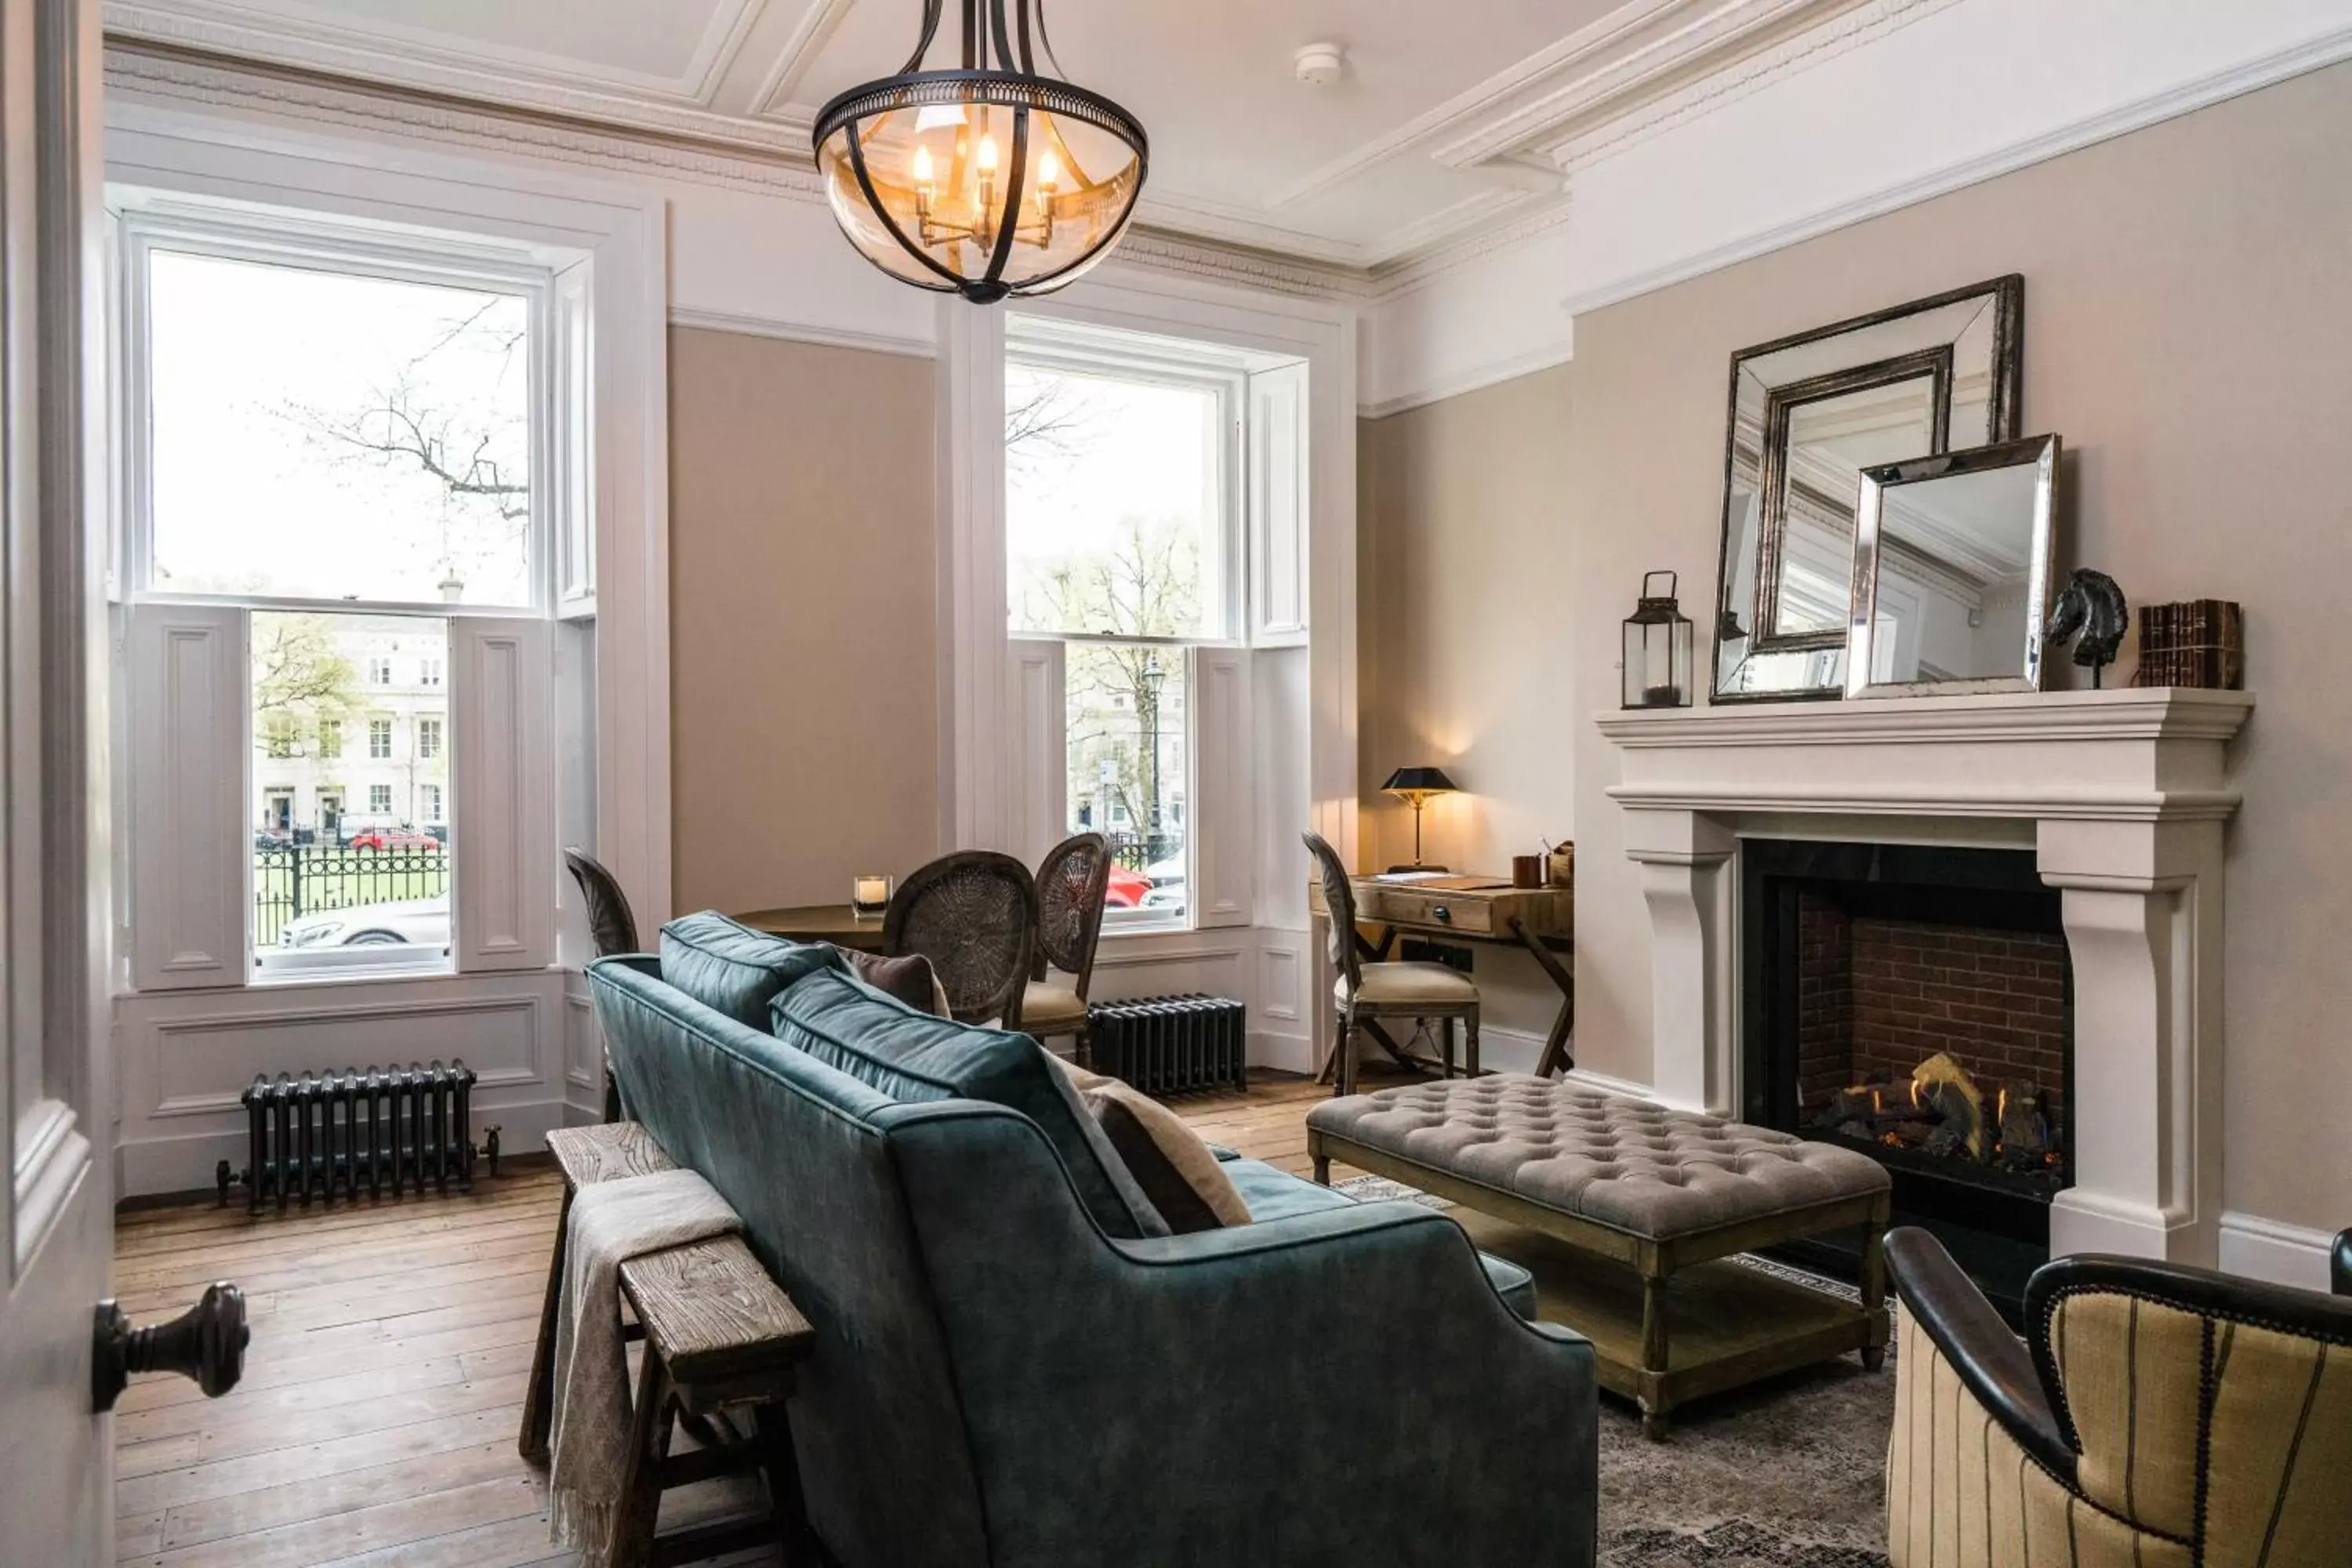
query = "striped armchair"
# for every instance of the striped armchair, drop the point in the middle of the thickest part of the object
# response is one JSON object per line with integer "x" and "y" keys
{"x": 2157, "y": 1417}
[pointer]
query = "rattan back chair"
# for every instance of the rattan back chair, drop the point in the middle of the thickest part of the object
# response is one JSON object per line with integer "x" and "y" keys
{"x": 612, "y": 927}
{"x": 1073, "y": 881}
{"x": 974, "y": 915}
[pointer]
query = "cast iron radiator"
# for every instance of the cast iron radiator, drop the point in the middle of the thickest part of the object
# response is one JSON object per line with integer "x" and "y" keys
{"x": 336, "y": 1132}
{"x": 1169, "y": 1045}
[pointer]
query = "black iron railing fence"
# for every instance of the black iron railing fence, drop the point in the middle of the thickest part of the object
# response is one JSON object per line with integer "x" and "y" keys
{"x": 306, "y": 878}
{"x": 1140, "y": 851}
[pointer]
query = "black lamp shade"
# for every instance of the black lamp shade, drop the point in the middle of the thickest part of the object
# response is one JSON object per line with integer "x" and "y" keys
{"x": 1420, "y": 781}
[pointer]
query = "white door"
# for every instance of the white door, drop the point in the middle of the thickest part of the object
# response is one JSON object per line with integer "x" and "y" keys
{"x": 57, "y": 1213}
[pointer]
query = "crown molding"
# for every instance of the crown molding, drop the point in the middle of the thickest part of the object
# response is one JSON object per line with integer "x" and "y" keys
{"x": 388, "y": 52}
{"x": 803, "y": 332}
{"x": 2321, "y": 50}
{"x": 1580, "y": 140}
{"x": 137, "y": 70}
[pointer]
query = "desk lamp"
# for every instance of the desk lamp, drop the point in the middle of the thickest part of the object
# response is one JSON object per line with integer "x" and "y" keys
{"x": 1414, "y": 786}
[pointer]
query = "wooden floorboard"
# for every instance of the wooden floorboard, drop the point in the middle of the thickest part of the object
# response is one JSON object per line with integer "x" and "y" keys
{"x": 391, "y": 1338}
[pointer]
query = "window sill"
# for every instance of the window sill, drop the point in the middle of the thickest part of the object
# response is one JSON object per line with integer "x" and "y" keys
{"x": 327, "y": 966}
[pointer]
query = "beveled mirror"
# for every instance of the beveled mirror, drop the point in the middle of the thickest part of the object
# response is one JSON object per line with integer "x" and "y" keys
{"x": 1808, "y": 414}
{"x": 1951, "y": 571}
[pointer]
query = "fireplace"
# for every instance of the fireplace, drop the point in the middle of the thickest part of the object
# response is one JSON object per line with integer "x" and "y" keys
{"x": 1916, "y": 1003}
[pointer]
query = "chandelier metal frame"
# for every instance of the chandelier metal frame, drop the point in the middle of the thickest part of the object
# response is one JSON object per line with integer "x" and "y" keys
{"x": 1013, "y": 83}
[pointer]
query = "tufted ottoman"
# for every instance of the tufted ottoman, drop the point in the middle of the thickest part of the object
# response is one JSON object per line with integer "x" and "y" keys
{"x": 1666, "y": 1192}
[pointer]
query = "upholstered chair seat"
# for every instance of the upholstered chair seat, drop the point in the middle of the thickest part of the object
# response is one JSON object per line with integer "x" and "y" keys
{"x": 1370, "y": 992}
{"x": 1407, "y": 982}
{"x": 1052, "y": 1007}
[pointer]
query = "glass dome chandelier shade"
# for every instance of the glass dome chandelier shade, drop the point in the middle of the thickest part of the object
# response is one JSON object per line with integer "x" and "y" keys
{"x": 984, "y": 181}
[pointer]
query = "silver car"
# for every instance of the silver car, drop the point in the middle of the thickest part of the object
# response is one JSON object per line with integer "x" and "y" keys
{"x": 407, "y": 922}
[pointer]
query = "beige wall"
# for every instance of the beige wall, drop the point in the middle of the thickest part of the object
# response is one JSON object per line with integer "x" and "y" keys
{"x": 1463, "y": 571}
{"x": 2188, "y": 332}
{"x": 804, "y": 725}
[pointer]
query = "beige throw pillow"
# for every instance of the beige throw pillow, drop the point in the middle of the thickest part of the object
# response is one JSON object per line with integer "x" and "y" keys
{"x": 1178, "y": 1172}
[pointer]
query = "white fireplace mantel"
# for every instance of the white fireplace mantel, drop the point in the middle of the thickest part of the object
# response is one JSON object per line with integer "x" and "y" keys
{"x": 2126, "y": 794}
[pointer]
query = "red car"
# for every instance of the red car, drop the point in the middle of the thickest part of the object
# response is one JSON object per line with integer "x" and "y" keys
{"x": 392, "y": 839}
{"x": 1127, "y": 888}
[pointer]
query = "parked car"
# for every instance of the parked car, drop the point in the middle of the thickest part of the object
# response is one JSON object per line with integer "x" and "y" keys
{"x": 1127, "y": 888}
{"x": 268, "y": 838}
{"x": 415, "y": 923}
{"x": 391, "y": 838}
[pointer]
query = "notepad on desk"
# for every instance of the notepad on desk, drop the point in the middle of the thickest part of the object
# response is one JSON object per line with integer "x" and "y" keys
{"x": 1444, "y": 880}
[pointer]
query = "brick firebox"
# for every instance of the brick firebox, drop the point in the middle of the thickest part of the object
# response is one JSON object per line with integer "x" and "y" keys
{"x": 1879, "y": 995}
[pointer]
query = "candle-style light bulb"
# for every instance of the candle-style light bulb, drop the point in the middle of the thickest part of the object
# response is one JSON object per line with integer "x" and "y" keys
{"x": 988, "y": 153}
{"x": 922, "y": 167}
{"x": 1049, "y": 169}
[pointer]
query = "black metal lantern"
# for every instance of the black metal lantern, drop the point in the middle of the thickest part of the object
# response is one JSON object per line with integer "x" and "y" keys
{"x": 985, "y": 181}
{"x": 1658, "y": 649}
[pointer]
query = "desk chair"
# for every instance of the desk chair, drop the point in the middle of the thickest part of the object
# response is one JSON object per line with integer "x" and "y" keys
{"x": 1072, "y": 881}
{"x": 1369, "y": 991}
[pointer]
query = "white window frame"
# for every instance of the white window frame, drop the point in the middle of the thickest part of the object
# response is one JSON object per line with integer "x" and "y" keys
{"x": 320, "y": 245}
{"x": 1034, "y": 343}
{"x": 430, "y": 723}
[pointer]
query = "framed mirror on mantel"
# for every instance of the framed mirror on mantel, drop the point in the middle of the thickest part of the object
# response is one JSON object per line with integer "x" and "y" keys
{"x": 1808, "y": 414}
{"x": 1951, "y": 571}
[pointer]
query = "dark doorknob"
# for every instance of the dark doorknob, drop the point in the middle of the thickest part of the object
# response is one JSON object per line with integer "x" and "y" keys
{"x": 206, "y": 1342}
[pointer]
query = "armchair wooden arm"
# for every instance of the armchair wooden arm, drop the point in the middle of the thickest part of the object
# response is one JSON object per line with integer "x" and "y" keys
{"x": 2172, "y": 1415}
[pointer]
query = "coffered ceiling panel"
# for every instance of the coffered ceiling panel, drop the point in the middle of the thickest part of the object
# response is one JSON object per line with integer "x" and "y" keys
{"x": 1438, "y": 123}
{"x": 1212, "y": 79}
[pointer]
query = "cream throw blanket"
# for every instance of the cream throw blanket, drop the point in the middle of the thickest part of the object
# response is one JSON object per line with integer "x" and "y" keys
{"x": 611, "y": 1222}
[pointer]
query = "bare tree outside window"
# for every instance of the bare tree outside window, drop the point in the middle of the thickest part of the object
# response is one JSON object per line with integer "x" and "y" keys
{"x": 1113, "y": 527}
{"x": 325, "y": 435}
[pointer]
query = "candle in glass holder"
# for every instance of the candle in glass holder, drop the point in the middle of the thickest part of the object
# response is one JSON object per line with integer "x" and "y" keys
{"x": 869, "y": 896}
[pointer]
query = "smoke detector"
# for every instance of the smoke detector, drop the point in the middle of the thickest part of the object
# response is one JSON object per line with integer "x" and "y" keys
{"x": 1320, "y": 65}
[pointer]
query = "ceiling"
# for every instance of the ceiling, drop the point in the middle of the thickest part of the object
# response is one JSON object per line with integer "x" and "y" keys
{"x": 1448, "y": 119}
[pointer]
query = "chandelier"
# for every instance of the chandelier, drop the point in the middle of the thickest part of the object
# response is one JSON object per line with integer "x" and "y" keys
{"x": 987, "y": 180}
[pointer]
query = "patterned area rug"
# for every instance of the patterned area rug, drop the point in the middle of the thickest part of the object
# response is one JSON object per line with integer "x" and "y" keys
{"x": 1787, "y": 1473}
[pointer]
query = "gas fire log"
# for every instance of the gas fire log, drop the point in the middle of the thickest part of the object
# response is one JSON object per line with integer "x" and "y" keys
{"x": 2025, "y": 1128}
{"x": 1945, "y": 1088}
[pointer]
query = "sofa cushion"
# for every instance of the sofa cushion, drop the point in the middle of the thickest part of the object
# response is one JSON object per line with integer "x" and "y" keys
{"x": 909, "y": 977}
{"x": 1274, "y": 1194}
{"x": 1178, "y": 1172}
{"x": 911, "y": 1056}
{"x": 732, "y": 969}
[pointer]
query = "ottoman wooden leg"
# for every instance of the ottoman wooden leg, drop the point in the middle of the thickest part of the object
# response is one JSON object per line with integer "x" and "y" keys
{"x": 1653, "y": 1357}
{"x": 1873, "y": 1293}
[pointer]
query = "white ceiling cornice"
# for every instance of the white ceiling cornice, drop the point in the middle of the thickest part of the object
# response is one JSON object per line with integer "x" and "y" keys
{"x": 1503, "y": 131}
{"x": 404, "y": 56}
{"x": 142, "y": 73}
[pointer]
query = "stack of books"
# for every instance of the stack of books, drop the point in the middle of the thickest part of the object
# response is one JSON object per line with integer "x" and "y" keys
{"x": 2198, "y": 642}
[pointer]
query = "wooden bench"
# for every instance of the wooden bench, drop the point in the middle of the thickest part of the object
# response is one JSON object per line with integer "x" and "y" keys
{"x": 721, "y": 1339}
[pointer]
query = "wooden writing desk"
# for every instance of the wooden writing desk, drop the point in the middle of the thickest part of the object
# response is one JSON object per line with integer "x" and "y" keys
{"x": 1539, "y": 921}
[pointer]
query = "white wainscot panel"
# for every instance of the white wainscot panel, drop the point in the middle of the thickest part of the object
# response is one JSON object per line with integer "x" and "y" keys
{"x": 185, "y": 1059}
{"x": 1282, "y": 1020}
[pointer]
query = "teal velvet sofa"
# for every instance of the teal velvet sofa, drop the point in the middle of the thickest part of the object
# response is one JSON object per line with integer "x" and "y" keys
{"x": 1015, "y": 1364}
